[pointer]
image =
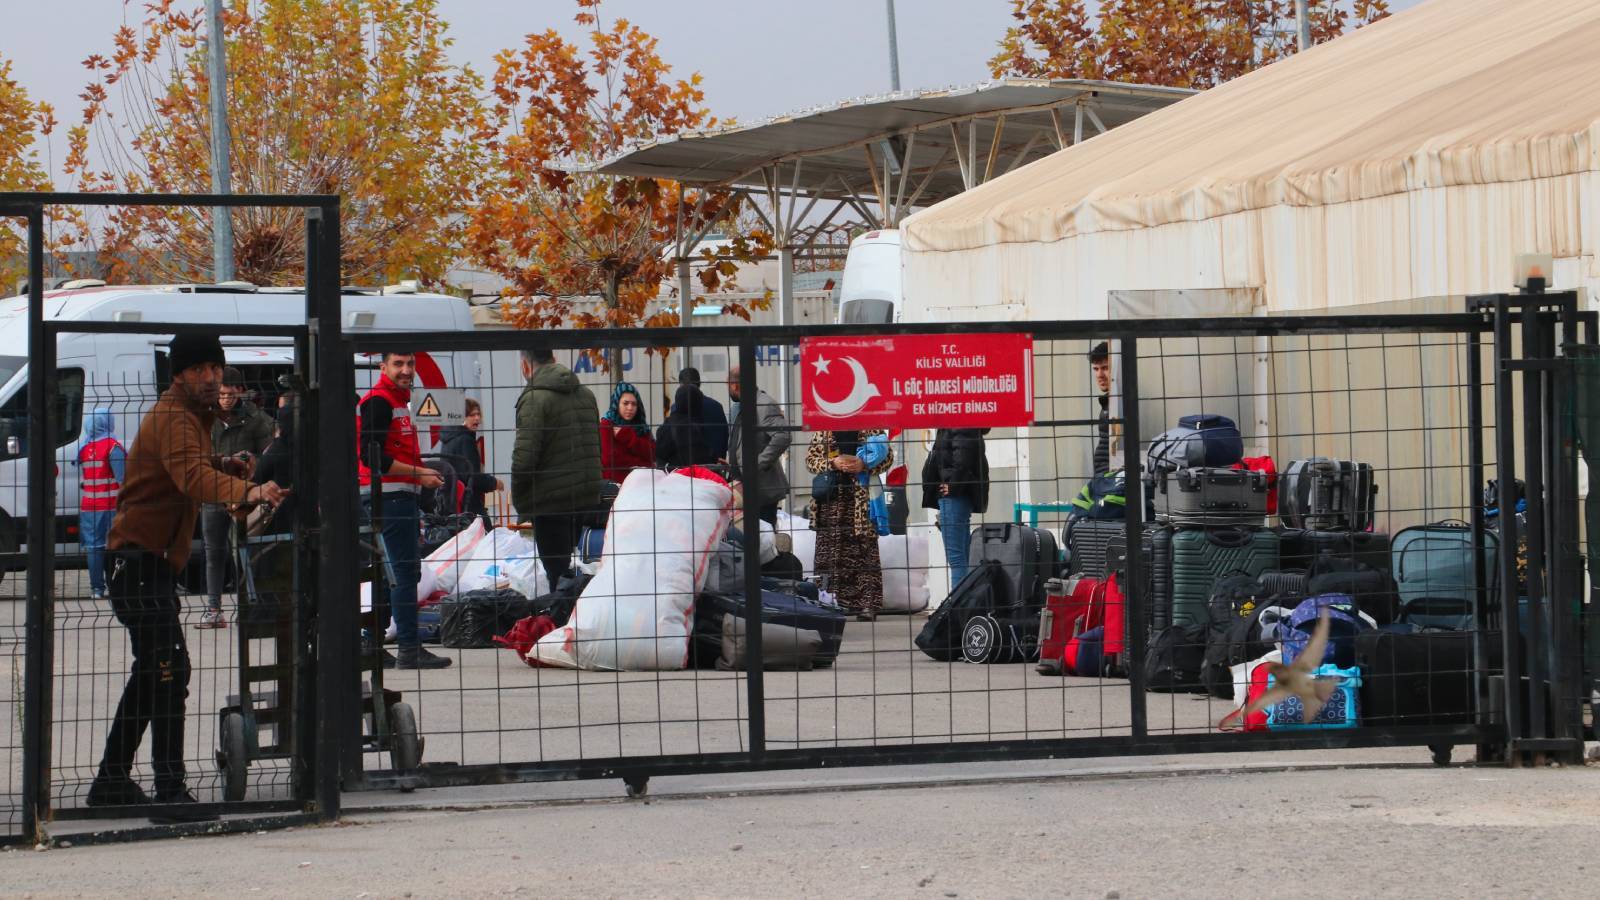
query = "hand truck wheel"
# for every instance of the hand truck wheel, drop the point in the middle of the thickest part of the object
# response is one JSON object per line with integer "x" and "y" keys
{"x": 405, "y": 748}
{"x": 235, "y": 758}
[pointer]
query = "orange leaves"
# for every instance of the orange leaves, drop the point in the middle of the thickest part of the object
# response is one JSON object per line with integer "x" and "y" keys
{"x": 355, "y": 97}
{"x": 1178, "y": 43}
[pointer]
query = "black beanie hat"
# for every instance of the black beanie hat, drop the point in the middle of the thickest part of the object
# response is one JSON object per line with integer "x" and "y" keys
{"x": 193, "y": 349}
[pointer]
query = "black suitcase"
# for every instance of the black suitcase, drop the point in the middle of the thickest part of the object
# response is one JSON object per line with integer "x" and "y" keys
{"x": 776, "y": 609}
{"x": 1420, "y": 678}
{"x": 1086, "y": 545}
{"x": 1029, "y": 555}
{"x": 1209, "y": 496}
{"x": 1327, "y": 494}
{"x": 1300, "y": 547}
{"x": 1156, "y": 546}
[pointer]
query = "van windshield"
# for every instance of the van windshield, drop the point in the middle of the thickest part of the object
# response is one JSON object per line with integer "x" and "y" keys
{"x": 867, "y": 312}
{"x": 68, "y": 413}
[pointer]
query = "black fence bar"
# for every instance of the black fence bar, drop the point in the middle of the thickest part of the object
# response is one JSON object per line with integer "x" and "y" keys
{"x": 923, "y": 754}
{"x": 1133, "y": 531}
{"x": 750, "y": 469}
{"x": 82, "y": 198}
{"x": 1505, "y": 472}
{"x": 41, "y": 549}
{"x": 1482, "y": 621}
{"x": 1533, "y": 455}
{"x": 54, "y": 327}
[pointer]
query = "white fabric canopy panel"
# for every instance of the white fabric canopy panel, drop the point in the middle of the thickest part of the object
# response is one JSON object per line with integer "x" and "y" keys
{"x": 1412, "y": 158}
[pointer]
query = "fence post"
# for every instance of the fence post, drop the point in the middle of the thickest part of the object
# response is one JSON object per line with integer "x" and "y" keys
{"x": 40, "y": 614}
{"x": 1480, "y": 596}
{"x": 749, "y": 463}
{"x": 1533, "y": 416}
{"x": 338, "y": 732}
{"x": 1505, "y": 473}
{"x": 1134, "y": 598}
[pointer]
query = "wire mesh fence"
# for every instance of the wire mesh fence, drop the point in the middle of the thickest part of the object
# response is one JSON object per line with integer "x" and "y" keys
{"x": 583, "y": 555}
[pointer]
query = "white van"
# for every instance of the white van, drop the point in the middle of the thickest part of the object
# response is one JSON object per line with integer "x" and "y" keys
{"x": 126, "y": 372}
{"x": 871, "y": 291}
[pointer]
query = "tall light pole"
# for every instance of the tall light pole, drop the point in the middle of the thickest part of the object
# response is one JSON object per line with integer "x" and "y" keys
{"x": 894, "y": 51}
{"x": 1302, "y": 21}
{"x": 221, "y": 180}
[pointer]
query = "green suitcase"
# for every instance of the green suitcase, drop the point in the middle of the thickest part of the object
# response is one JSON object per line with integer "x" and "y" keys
{"x": 1200, "y": 556}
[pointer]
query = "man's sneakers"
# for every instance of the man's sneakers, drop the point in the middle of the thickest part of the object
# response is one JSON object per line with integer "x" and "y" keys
{"x": 180, "y": 809}
{"x": 213, "y": 617}
{"x": 110, "y": 790}
{"x": 418, "y": 657}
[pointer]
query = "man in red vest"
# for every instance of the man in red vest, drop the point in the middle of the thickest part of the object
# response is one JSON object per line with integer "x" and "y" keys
{"x": 101, "y": 466}
{"x": 388, "y": 445}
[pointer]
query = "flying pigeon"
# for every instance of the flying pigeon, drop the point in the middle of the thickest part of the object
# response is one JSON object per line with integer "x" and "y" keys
{"x": 1297, "y": 679}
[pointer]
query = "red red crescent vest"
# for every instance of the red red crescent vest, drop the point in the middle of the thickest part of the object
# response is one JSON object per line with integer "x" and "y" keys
{"x": 98, "y": 481}
{"x": 401, "y": 442}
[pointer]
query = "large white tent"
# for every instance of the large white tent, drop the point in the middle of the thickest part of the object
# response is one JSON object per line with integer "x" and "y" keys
{"x": 1410, "y": 159}
{"x": 1394, "y": 169}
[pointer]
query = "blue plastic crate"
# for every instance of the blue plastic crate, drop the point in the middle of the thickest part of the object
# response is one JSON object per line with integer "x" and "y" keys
{"x": 1343, "y": 709}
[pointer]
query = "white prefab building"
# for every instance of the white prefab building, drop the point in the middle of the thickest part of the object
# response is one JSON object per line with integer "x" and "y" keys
{"x": 1395, "y": 169}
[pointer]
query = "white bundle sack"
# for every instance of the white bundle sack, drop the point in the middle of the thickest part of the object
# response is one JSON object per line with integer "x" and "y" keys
{"x": 803, "y": 538}
{"x": 635, "y": 615}
{"x": 905, "y": 573}
{"x": 482, "y": 560}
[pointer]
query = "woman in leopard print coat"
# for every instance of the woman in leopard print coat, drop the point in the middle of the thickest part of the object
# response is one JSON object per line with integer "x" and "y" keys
{"x": 847, "y": 542}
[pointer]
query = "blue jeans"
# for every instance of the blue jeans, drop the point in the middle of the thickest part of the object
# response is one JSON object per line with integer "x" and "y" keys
{"x": 955, "y": 526}
{"x": 401, "y": 532}
{"x": 93, "y": 529}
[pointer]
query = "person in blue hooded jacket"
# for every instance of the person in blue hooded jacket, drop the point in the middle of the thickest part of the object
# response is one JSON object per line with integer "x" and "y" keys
{"x": 102, "y": 463}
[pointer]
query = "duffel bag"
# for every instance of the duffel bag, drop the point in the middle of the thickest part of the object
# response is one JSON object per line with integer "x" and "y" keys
{"x": 1206, "y": 439}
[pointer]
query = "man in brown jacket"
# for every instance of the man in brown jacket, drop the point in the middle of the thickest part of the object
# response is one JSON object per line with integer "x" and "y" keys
{"x": 171, "y": 470}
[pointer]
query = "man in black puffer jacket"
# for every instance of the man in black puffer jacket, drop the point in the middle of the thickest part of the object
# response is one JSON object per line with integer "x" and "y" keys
{"x": 555, "y": 462}
{"x": 955, "y": 481}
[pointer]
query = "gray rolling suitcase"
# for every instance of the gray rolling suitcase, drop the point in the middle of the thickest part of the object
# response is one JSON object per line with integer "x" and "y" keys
{"x": 1209, "y": 496}
{"x": 1029, "y": 555}
{"x": 1323, "y": 494}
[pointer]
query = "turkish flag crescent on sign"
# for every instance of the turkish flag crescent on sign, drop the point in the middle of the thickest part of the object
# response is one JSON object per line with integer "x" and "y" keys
{"x": 917, "y": 381}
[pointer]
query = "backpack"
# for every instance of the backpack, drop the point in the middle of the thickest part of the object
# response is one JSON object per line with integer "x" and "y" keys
{"x": 1206, "y": 440}
{"x": 984, "y": 589}
{"x": 1104, "y": 497}
{"x": 1234, "y": 629}
{"x": 1175, "y": 658}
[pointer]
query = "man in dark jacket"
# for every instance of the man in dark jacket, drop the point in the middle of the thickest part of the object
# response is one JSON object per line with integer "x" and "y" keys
{"x": 171, "y": 470}
{"x": 772, "y": 438}
{"x": 555, "y": 462}
{"x": 955, "y": 481}
{"x": 241, "y": 431}
{"x": 1100, "y": 364}
{"x": 713, "y": 418}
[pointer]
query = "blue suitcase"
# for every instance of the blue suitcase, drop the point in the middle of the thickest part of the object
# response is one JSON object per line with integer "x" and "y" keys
{"x": 784, "y": 609}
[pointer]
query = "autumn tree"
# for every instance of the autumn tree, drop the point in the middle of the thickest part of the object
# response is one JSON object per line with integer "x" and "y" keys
{"x": 23, "y": 122}
{"x": 1176, "y": 43}
{"x": 555, "y": 231}
{"x": 348, "y": 97}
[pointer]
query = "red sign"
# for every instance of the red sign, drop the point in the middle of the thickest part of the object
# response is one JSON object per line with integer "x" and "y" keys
{"x": 917, "y": 381}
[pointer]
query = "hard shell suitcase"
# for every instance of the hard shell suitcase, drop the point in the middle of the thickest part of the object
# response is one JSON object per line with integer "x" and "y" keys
{"x": 1209, "y": 496}
{"x": 1086, "y": 544}
{"x": 1029, "y": 555}
{"x": 1200, "y": 556}
{"x": 1327, "y": 494}
{"x": 1156, "y": 547}
{"x": 1433, "y": 573}
{"x": 1302, "y": 546}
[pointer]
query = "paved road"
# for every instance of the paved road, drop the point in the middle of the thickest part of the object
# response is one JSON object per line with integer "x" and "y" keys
{"x": 1413, "y": 832}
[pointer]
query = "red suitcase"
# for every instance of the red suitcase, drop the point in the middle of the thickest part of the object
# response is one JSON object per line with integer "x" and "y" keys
{"x": 1071, "y": 607}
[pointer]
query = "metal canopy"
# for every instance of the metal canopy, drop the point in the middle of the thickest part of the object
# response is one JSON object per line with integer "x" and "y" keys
{"x": 936, "y": 143}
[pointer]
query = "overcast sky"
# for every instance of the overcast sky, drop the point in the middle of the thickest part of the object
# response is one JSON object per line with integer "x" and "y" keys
{"x": 760, "y": 58}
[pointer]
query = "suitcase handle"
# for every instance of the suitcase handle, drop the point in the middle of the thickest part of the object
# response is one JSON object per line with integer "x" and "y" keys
{"x": 1228, "y": 537}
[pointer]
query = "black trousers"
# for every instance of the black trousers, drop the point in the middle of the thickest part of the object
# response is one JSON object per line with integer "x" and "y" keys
{"x": 557, "y": 536}
{"x": 145, "y": 600}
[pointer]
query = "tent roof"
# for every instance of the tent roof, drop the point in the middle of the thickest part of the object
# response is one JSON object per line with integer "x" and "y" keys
{"x": 830, "y": 138}
{"x": 1451, "y": 92}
